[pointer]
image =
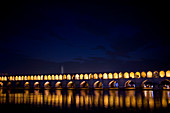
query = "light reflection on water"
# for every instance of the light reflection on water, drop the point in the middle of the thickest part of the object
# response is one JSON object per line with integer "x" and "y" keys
{"x": 87, "y": 99}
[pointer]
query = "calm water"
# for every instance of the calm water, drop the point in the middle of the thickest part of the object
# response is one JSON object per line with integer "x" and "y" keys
{"x": 87, "y": 100}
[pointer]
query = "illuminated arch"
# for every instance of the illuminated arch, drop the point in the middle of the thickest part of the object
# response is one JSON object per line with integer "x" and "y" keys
{"x": 35, "y": 77}
{"x": 64, "y": 77}
{"x": 147, "y": 84}
{"x": 98, "y": 84}
{"x": 9, "y": 84}
{"x": 120, "y": 75}
{"x": 86, "y": 76}
{"x": 1, "y": 84}
{"x": 56, "y": 77}
{"x": 28, "y": 78}
{"x": 42, "y": 77}
{"x": 143, "y": 74}
{"x": 70, "y": 85}
{"x": 137, "y": 75}
{"x": 68, "y": 77}
{"x": 105, "y": 76}
{"x": 129, "y": 83}
{"x": 58, "y": 85}
{"x": 49, "y": 77}
{"x": 110, "y": 76}
{"x": 95, "y": 76}
{"x": 149, "y": 74}
{"x": 84, "y": 84}
{"x": 126, "y": 75}
{"x": 36, "y": 85}
{"x": 132, "y": 75}
{"x": 113, "y": 84}
{"x": 60, "y": 77}
{"x": 38, "y": 77}
{"x": 19, "y": 78}
{"x": 116, "y": 76}
{"x": 18, "y": 84}
{"x": 162, "y": 73}
{"x": 77, "y": 77}
{"x": 165, "y": 84}
{"x": 168, "y": 73}
{"x": 47, "y": 84}
{"x": 16, "y": 78}
{"x": 10, "y": 78}
{"x": 90, "y": 76}
{"x": 45, "y": 77}
{"x": 52, "y": 77}
{"x": 100, "y": 76}
{"x": 155, "y": 74}
{"x": 32, "y": 77}
{"x": 81, "y": 76}
{"x": 27, "y": 85}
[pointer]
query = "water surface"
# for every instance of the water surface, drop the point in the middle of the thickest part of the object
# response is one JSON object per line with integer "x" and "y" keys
{"x": 86, "y": 100}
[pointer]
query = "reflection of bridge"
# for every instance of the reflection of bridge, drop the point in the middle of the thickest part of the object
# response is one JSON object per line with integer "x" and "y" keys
{"x": 97, "y": 80}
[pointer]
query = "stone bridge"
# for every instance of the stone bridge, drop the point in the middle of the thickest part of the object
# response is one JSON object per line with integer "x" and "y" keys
{"x": 92, "y": 80}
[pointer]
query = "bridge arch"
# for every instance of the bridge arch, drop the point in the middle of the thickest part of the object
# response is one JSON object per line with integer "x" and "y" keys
{"x": 70, "y": 85}
{"x": 84, "y": 84}
{"x": 95, "y": 76}
{"x": 116, "y": 76}
{"x": 9, "y": 84}
{"x": 1, "y": 84}
{"x": 36, "y": 85}
{"x": 58, "y": 85}
{"x": 18, "y": 84}
{"x": 137, "y": 75}
{"x": 155, "y": 74}
{"x": 126, "y": 75}
{"x": 168, "y": 73}
{"x": 98, "y": 84}
{"x": 27, "y": 85}
{"x": 113, "y": 84}
{"x": 47, "y": 85}
{"x": 165, "y": 84}
{"x": 77, "y": 77}
{"x": 129, "y": 83}
{"x": 68, "y": 77}
{"x": 132, "y": 75}
{"x": 147, "y": 84}
{"x": 90, "y": 76}
{"x": 162, "y": 74}
{"x": 149, "y": 74}
{"x": 143, "y": 74}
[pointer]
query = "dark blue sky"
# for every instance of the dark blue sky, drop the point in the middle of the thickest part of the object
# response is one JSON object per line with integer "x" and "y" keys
{"x": 84, "y": 37}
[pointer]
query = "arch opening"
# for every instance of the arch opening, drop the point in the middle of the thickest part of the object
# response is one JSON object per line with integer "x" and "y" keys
{"x": 58, "y": 85}
{"x": 113, "y": 84}
{"x": 98, "y": 84}
{"x": 27, "y": 85}
{"x": 84, "y": 84}
{"x": 70, "y": 85}
{"x": 130, "y": 83}
{"x": 147, "y": 84}
{"x": 165, "y": 84}
{"x": 9, "y": 84}
{"x": 36, "y": 85}
{"x": 47, "y": 85}
{"x": 1, "y": 84}
{"x": 155, "y": 74}
{"x": 17, "y": 84}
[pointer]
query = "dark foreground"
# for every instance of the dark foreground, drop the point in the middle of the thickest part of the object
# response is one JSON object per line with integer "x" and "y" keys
{"x": 101, "y": 101}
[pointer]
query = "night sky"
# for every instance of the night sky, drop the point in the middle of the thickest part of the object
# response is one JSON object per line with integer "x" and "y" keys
{"x": 84, "y": 37}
